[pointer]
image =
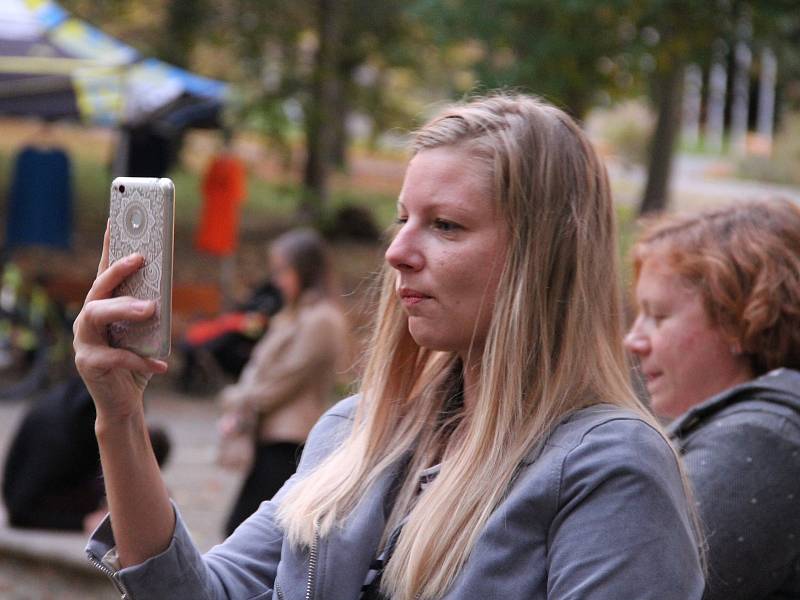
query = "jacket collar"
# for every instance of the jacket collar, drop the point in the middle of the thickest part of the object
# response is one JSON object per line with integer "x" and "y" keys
{"x": 780, "y": 386}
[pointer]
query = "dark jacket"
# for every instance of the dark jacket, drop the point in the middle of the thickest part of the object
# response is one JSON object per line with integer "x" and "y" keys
{"x": 52, "y": 470}
{"x": 599, "y": 512}
{"x": 742, "y": 453}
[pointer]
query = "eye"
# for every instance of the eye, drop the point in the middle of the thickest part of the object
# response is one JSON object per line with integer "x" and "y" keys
{"x": 446, "y": 226}
{"x": 658, "y": 318}
{"x": 400, "y": 220}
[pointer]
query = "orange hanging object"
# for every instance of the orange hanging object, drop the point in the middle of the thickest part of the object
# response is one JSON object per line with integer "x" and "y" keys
{"x": 224, "y": 188}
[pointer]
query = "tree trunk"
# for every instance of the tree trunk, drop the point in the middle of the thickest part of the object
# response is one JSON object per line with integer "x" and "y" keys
{"x": 340, "y": 136}
{"x": 320, "y": 116}
{"x": 184, "y": 18}
{"x": 669, "y": 89}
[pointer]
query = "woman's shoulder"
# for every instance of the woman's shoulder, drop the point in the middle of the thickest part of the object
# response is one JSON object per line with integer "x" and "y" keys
{"x": 605, "y": 425}
{"x": 344, "y": 409}
{"x": 604, "y": 447}
{"x": 603, "y": 442}
{"x": 321, "y": 313}
{"x": 769, "y": 404}
{"x": 314, "y": 303}
{"x": 330, "y": 430}
{"x": 598, "y": 459}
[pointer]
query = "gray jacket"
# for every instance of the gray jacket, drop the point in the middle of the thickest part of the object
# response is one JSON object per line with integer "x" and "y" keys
{"x": 742, "y": 454}
{"x": 599, "y": 512}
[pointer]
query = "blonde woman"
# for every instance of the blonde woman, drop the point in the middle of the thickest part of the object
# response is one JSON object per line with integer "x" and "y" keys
{"x": 495, "y": 449}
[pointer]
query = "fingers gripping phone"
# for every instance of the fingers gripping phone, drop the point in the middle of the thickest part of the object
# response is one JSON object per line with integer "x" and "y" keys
{"x": 141, "y": 220}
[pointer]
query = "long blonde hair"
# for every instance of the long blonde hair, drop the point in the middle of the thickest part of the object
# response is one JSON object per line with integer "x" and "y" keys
{"x": 553, "y": 347}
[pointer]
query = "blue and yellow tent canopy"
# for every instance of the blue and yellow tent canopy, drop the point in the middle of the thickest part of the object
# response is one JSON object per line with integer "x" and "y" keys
{"x": 53, "y": 65}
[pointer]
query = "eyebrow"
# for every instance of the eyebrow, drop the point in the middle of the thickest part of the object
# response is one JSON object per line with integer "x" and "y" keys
{"x": 435, "y": 206}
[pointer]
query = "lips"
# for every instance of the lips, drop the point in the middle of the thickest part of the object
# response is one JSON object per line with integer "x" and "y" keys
{"x": 411, "y": 297}
{"x": 651, "y": 377}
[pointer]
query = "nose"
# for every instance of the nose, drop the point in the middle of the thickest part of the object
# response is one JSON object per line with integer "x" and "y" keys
{"x": 404, "y": 253}
{"x": 636, "y": 341}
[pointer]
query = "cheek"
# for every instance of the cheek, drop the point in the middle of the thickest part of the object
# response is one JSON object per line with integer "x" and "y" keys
{"x": 687, "y": 342}
{"x": 692, "y": 354}
{"x": 672, "y": 347}
{"x": 456, "y": 275}
{"x": 288, "y": 285}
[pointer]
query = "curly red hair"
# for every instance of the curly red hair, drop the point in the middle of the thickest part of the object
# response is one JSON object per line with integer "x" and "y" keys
{"x": 744, "y": 260}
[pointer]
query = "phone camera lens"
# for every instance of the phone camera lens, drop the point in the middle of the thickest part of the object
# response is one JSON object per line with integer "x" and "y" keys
{"x": 137, "y": 219}
{"x": 122, "y": 189}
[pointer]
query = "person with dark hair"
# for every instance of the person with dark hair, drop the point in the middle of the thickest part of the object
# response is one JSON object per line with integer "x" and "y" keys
{"x": 287, "y": 383}
{"x": 51, "y": 477}
{"x": 718, "y": 343}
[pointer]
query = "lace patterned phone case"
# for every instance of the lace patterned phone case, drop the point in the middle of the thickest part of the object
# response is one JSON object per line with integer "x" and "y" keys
{"x": 141, "y": 220}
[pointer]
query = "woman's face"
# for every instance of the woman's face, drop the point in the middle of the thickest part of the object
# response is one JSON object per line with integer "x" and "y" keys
{"x": 684, "y": 359}
{"x": 284, "y": 276}
{"x": 449, "y": 250}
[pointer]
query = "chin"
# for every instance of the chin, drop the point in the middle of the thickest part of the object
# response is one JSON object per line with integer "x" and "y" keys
{"x": 430, "y": 342}
{"x": 667, "y": 408}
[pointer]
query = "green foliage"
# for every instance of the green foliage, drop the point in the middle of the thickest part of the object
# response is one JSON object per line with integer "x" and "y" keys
{"x": 399, "y": 57}
{"x": 626, "y": 228}
{"x": 626, "y": 128}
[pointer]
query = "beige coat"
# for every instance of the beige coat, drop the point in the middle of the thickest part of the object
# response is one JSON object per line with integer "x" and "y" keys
{"x": 287, "y": 383}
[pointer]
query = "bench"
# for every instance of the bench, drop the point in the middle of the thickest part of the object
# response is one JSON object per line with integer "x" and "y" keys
{"x": 188, "y": 299}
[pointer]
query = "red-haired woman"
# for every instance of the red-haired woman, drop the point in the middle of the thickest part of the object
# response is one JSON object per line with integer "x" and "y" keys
{"x": 718, "y": 339}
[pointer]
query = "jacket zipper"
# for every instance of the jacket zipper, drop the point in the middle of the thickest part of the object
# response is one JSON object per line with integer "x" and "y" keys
{"x": 279, "y": 591}
{"x": 312, "y": 563}
{"x": 113, "y": 576}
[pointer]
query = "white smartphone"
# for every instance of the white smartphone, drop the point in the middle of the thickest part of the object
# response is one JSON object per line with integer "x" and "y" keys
{"x": 141, "y": 219}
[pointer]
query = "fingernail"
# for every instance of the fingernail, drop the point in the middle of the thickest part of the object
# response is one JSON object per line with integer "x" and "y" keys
{"x": 142, "y": 305}
{"x": 135, "y": 259}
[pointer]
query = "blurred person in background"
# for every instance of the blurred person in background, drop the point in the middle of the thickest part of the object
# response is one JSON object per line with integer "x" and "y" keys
{"x": 718, "y": 340}
{"x": 495, "y": 450}
{"x": 51, "y": 473}
{"x": 287, "y": 383}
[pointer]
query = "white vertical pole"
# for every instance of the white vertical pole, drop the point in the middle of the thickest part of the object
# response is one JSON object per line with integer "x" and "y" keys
{"x": 692, "y": 89}
{"x": 717, "y": 87}
{"x": 766, "y": 98}
{"x": 741, "y": 98}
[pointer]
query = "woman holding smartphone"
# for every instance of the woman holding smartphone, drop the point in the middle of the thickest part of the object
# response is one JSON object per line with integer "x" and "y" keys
{"x": 495, "y": 449}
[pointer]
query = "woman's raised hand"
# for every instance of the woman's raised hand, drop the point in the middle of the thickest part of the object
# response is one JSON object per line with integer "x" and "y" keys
{"x": 116, "y": 378}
